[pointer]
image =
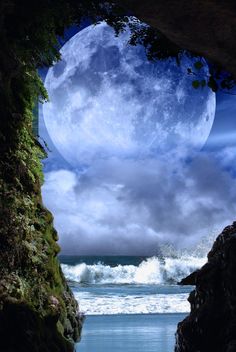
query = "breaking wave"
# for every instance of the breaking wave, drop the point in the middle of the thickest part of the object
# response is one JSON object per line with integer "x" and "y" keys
{"x": 151, "y": 271}
{"x": 148, "y": 288}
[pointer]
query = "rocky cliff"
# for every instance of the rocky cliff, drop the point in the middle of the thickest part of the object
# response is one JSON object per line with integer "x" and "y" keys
{"x": 37, "y": 310}
{"x": 211, "y": 325}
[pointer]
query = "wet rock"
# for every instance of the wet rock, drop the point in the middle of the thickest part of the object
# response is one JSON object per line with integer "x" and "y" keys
{"x": 211, "y": 325}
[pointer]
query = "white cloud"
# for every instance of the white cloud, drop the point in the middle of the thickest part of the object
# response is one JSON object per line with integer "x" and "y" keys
{"x": 132, "y": 206}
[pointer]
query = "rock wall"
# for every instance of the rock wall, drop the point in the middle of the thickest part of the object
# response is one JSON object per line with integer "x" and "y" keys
{"x": 37, "y": 310}
{"x": 211, "y": 325}
{"x": 205, "y": 27}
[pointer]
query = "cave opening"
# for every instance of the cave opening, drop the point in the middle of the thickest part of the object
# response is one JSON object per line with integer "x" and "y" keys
{"x": 36, "y": 302}
{"x": 111, "y": 125}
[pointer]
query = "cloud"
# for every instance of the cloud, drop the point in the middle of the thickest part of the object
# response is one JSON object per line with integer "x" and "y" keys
{"x": 132, "y": 206}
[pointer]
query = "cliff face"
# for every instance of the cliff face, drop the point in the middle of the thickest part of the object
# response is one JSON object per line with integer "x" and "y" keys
{"x": 37, "y": 309}
{"x": 211, "y": 325}
{"x": 205, "y": 27}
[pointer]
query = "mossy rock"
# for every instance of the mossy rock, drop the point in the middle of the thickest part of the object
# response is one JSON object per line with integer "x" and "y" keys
{"x": 23, "y": 329}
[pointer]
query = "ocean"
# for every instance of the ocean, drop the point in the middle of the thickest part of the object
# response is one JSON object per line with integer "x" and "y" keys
{"x": 130, "y": 303}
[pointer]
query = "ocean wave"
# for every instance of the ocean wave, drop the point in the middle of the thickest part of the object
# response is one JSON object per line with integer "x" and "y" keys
{"x": 151, "y": 271}
{"x": 152, "y": 304}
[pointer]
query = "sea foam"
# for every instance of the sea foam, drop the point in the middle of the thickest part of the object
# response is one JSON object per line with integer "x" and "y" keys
{"x": 126, "y": 304}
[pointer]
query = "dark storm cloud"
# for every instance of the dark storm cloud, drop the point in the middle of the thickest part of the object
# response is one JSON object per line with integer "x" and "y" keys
{"x": 131, "y": 207}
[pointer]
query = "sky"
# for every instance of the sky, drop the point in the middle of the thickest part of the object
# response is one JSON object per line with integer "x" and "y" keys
{"x": 124, "y": 204}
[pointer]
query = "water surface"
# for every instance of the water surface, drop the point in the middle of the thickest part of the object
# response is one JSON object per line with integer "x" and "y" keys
{"x": 129, "y": 333}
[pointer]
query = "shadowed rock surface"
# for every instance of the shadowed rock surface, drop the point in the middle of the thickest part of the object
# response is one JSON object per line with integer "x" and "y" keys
{"x": 205, "y": 27}
{"x": 211, "y": 325}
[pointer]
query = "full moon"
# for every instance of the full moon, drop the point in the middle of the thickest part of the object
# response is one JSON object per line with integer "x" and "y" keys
{"x": 108, "y": 100}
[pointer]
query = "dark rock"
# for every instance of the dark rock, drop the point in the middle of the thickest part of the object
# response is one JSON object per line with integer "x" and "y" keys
{"x": 211, "y": 325}
{"x": 38, "y": 312}
{"x": 205, "y": 27}
{"x": 23, "y": 329}
{"x": 189, "y": 280}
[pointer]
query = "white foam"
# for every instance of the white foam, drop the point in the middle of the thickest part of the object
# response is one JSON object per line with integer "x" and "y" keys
{"x": 111, "y": 305}
{"x": 150, "y": 271}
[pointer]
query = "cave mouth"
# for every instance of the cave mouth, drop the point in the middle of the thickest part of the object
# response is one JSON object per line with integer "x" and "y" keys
{"x": 104, "y": 196}
{"x": 32, "y": 285}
